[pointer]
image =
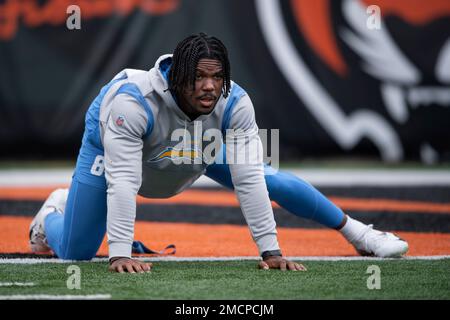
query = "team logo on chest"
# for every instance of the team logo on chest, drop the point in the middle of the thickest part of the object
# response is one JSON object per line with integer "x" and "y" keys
{"x": 185, "y": 148}
{"x": 190, "y": 155}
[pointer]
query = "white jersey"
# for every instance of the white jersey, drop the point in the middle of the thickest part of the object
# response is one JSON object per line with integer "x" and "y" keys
{"x": 137, "y": 120}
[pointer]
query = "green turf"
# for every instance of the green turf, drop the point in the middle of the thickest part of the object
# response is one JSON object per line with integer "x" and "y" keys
{"x": 402, "y": 279}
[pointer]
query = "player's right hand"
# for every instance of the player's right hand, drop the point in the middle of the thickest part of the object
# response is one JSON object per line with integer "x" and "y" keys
{"x": 123, "y": 265}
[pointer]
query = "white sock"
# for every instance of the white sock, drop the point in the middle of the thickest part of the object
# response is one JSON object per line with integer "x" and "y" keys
{"x": 353, "y": 229}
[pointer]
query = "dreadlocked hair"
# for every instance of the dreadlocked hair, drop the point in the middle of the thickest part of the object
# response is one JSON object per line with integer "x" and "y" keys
{"x": 187, "y": 55}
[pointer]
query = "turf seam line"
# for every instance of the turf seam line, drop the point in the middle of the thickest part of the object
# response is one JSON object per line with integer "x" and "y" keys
{"x": 206, "y": 259}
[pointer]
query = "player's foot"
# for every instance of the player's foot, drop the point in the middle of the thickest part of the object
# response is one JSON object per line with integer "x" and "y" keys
{"x": 380, "y": 244}
{"x": 56, "y": 202}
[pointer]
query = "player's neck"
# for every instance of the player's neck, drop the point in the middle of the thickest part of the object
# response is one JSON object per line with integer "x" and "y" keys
{"x": 187, "y": 109}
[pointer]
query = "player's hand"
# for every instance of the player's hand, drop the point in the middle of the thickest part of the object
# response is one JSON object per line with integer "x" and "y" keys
{"x": 123, "y": 265}
{"x": 277, "y": 262}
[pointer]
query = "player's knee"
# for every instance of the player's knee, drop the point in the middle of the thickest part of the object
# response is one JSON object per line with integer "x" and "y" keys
{"x": 81, "y": 251}
{"x": 78, "y": 255}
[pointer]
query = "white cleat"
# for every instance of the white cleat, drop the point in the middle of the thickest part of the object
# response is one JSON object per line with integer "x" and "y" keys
{"x": 379, "y": 244}
{"x": 56, "y": 202}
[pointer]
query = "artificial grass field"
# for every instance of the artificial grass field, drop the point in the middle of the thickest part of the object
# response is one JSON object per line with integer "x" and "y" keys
{"x": 228, "y": 280}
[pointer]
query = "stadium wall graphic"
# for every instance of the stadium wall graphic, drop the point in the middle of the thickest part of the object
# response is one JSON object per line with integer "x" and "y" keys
{"x": 312, "y": 68}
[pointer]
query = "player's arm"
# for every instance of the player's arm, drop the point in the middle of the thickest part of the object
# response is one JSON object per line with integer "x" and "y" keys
{"x": 250, "y": 186}
{"x": 123, "y": 167}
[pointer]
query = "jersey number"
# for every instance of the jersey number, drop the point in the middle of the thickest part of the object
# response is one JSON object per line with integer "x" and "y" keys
{"x": 99, "y": 166}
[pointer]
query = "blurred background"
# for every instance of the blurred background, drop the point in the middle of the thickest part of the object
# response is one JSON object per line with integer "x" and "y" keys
{"x": 337, "y": 83}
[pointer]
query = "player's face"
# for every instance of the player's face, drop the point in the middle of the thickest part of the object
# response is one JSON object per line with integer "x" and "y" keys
{"x": 207, "y": 91}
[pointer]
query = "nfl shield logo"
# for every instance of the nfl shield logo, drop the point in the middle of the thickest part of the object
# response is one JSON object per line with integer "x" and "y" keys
{"x": 120, "y": 120}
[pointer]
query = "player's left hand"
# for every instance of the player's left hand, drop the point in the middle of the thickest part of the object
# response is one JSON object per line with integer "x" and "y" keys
{"x": 277, "y": 262}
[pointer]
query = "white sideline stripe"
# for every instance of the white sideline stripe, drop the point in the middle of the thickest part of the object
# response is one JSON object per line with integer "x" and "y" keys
{"x": 318, "y": 177}
{"x": 180, "y": 259}
{"x": 55, "y": 297}
{"x": 17, "y": 284}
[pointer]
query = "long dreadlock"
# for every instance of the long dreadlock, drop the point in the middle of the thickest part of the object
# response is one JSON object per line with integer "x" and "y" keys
{"x": 186, "y": 57}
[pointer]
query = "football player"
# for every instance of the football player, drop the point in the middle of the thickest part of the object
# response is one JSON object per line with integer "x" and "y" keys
{"x": 128, "y": 148}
